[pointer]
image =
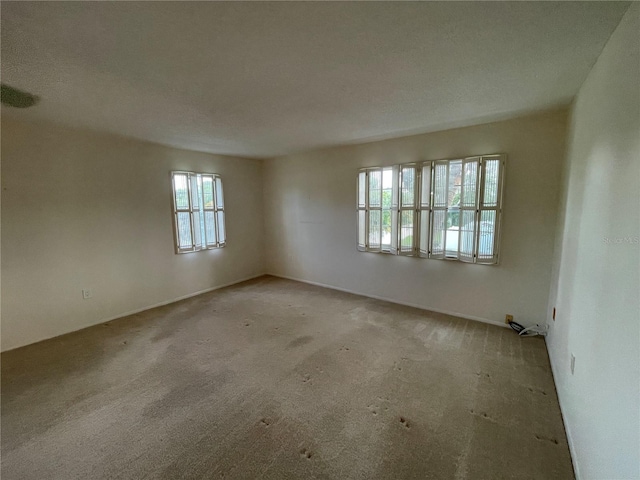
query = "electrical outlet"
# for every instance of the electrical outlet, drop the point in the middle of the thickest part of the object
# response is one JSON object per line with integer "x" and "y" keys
{"x": 86, "y": 293}
{"x": 573, "y": 363}
{"x": 508, "y": 318}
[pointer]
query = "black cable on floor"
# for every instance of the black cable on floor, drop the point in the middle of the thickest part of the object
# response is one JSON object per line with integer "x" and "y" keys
{"x": 516, "y": 327}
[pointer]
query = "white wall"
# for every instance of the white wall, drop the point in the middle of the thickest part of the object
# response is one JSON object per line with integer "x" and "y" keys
{"x": 311, "y": 221}
{"x": 88, "y": 210}
{"x": 596, "y": 283}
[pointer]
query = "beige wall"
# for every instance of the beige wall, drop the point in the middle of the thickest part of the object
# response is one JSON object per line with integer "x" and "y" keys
{"x": 596, "y": 282}
{"x": 87, "y": 210}
{"x": 311, "y": 230}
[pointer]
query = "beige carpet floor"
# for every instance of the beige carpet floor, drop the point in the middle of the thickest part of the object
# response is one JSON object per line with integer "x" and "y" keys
{"x": 277, "y": 379}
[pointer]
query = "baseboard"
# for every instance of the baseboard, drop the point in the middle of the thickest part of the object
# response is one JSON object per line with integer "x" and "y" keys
{"x": 391, "y": 300}
{"x": 138, "y": 310}
{"x": 567, "y": 430}
{"x": 177, "y": 299}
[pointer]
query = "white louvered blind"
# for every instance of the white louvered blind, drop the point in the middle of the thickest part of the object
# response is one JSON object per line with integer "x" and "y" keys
{"x": 362, "y": 210}
{"x": 490, "y": 208}
{"x": 439, "y": 209}
{"x": 374, "y": 241}
{"x": 219, "y": 211}
{"x": 391, "y": 230}
{"x": 377, "y": 208}
{"x": 452, "y": 218}
{"x": 425, "y": 209}
{"x": 182, "y": 211}
{"x": 407, "y": 215}
{"x": 468, "y": 209}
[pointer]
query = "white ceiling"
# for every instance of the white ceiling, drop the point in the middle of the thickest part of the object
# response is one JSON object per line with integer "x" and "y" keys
{"x": 263, "y": 79}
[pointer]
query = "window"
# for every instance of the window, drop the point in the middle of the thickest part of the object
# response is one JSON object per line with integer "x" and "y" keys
{"x": 447, "y": 209}
{"x": 198, "y": 210}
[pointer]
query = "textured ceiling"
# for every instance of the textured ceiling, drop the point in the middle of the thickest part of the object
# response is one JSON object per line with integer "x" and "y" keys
{"x": 263, "y": 79}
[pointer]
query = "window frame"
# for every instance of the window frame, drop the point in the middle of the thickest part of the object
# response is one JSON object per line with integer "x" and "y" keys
{"x": 195, "y": 181}
{"x": 425, "y": 209}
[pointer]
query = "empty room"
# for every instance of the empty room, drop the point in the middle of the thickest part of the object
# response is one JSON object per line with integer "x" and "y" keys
{"x": 330, "y": 240}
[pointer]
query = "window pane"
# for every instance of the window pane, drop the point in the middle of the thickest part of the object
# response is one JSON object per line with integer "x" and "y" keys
{"x": 203, "y": 237}
{"x": 487, "y": 232}
{"x": 210, "y": 227}
{"x": 491, "y": 178}
{"x": 198, "y": 228}
{"x": 387, "y": 201}
{"x": 222, "y": 233}
{"x": 453, "y": 232}
{"x": 374, "y": 228}
{"x": 455, "y": 182}
{"x": 184, "y": 230}
{"x": 386, "y": 229}
{"x": 181, "y": 191}
{"x": 426, "y": 185}
{"x": 453, "y": 218}
{"x": 469, "y": 190}
{"x": 196, "y": 190}
{"x": 406, "y": 231}
{"x": 387, "y": 187}
{"x": 207, "y": 190}
{"x": 439, "y": 222}
{"x": 362, "y": 220}
{"x": 375, "y": 188}
{"x": 440, "y": 185}
{"x": 219, "y": 196}
{"x": 408, "y": 186}
{"x": 466, "y": 232}
{"x": 362, "y": 189}
{"x": 424, "y": 231}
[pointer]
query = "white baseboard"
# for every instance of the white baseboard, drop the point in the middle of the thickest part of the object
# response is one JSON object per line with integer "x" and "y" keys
{"x": 391, "y": 300}
{"x": 138, "y": 310}
{"x": 572, "y": 451}
{"x": 183, "y": 297}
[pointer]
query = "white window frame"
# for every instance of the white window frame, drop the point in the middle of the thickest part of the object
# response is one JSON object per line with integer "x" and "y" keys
{"x": 426, "y": 208}
{"x": 202, "y": 217}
